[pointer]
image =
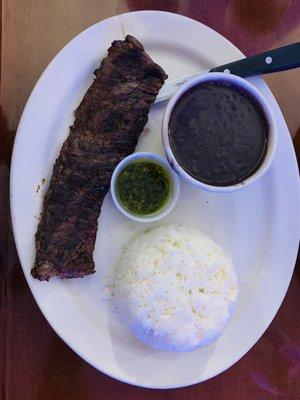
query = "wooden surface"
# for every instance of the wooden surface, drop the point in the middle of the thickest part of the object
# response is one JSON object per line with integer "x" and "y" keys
{"x": 34, "y": 362}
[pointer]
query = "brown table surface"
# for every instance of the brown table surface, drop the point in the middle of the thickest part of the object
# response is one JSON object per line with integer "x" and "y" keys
{"x": 34, "y": 362}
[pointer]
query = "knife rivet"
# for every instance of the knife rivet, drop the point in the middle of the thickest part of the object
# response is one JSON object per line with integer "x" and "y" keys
{"x": 268, "y": 60}
{"x": 227, "y": 71}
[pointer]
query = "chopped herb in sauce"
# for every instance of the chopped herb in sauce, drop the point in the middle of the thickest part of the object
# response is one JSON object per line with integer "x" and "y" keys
{"x": 144, "y": 187}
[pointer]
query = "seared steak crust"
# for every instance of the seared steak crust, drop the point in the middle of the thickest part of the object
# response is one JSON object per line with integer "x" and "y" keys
{"x": 106, "y": 129}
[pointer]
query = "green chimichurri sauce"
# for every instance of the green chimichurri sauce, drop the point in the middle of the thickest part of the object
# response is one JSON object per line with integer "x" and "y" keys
{"x": 144, "y": 187}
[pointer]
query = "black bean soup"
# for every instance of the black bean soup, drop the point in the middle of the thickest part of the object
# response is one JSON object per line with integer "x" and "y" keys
{"x": 218, "y": 133}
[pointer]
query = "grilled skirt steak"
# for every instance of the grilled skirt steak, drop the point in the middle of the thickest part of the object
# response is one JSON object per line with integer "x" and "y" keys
{"x": 106, "y": 129}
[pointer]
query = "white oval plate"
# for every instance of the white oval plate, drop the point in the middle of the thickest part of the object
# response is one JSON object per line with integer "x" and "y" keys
{"x": 259, "y": 226}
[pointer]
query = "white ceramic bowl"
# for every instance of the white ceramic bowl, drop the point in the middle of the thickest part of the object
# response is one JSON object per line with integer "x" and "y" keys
{"x": 254, "y": 93}
{"x": 159, "y": 160}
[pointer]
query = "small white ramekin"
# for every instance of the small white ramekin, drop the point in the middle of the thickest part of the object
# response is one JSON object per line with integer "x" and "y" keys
{"x": 254, "y": 93}
{"x": 159, "y": 160}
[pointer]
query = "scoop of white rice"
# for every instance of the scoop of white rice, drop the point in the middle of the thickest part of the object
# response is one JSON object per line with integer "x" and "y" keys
{"x": 174, "y": 288}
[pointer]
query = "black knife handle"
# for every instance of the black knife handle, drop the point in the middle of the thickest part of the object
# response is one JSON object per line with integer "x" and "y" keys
{"x": 281, "y": 59}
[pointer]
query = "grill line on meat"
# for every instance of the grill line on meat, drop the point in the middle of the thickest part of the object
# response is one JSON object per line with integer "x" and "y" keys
{"x": 107, "y": 125}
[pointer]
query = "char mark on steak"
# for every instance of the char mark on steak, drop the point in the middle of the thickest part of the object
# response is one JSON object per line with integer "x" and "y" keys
{"x": 107, "y": 125}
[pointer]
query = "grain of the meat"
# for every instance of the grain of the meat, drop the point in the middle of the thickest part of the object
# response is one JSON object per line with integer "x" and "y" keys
{"x": 107, "y": 125}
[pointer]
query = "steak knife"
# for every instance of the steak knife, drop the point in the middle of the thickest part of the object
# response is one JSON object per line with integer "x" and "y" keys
{"x": 280, "y": 59}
